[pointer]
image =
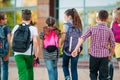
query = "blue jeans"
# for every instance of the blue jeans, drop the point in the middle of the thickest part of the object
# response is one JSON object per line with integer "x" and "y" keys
{"x": 51, "y": 66}
{"x": 3, "y": 70}
{"x": 74, "y": 61}
{"x": 98, "y": 65}
{"x": 110, "y": 70}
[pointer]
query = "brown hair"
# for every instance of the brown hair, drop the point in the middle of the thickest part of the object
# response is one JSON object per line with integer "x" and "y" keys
{"x": 103, "y": 15}
{"x": 50, "y": 21}
{"x": 2, "y": 15}
{"x": 116, "y": 13}
{"x": 26, "y": 14}
{"x": 75, "y": 16}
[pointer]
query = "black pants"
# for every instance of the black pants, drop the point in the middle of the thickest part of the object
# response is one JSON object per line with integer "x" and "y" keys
{"x": 98, "y": 66}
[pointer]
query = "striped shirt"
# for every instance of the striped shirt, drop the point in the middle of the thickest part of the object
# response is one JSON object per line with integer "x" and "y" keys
{"x": 101, "y": 37}
{"x": 116, "y": 31}
{"x": 50, "y": 56}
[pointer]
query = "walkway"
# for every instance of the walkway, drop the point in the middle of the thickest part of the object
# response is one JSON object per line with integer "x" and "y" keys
{"x": 40, "y": 73}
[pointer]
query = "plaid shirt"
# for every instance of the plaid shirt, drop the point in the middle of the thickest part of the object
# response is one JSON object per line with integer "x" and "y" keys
{"x": 101, "y": 37}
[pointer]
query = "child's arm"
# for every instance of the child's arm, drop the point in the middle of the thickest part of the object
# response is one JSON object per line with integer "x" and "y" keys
{"x": 75, "y": 52}
{"x": 81, "y": 41}
{"x": 112, "y": 53}
{"x": 112, "y": 45}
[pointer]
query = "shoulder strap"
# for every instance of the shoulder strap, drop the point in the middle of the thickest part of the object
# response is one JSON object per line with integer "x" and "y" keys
{"x": 3, "y": 28}
{"x": 23, "y": 24}
{"x": 69, "y": 24}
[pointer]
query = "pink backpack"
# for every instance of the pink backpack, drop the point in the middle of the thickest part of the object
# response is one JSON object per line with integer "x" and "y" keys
{"x": 50, "y": 40}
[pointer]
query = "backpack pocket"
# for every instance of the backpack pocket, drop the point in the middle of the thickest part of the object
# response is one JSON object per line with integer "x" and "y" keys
{"x": 51, "y": 48}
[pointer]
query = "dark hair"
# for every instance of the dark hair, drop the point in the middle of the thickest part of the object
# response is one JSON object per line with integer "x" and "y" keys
{"x": 50, "y": 21}
{"x": 32, "y": 23}
{"x": 26, "y": 14}
{"x": 2, "y": 15}
{"x": 103, "y": 15}
{"x": 75, "y": 16}
{"x": 118, "y": 8}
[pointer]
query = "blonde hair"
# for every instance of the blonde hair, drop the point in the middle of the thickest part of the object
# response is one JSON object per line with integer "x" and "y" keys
{"x": 116, "y": 14}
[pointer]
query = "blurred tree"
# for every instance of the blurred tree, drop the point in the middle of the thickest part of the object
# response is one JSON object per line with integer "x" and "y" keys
{"x": 10, "y": 21}
{"x": 118, "y": 3}
{"x": 10, "y": 15}
{"x": 6, "y": 3}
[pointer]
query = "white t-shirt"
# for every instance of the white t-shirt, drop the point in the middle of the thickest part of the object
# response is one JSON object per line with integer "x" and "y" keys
{"x": 34, "y": 32}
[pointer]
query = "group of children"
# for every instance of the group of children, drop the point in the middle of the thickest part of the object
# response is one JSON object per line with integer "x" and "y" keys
{"x": 101, "y": 36}
{"x": 100, "y": 54}
{"x": 24, "y": 59}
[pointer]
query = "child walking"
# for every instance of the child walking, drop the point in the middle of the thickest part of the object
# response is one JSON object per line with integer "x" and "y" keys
{"x": 50, "y": 38}
{"x": 24, "y": 42}
{"x": 72, "y": 30}
{"x": 4, "y": 55}
{"x": 115, "y": 26}
{"x": 101, "y": 36}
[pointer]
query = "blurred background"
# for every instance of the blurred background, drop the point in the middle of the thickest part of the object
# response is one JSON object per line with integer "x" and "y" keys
{"x": 41, "y": 9}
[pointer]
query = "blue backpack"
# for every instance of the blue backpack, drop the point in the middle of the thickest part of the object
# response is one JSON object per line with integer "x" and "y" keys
{"x": 3, "y": 42}
{"x": 72, "y": 36}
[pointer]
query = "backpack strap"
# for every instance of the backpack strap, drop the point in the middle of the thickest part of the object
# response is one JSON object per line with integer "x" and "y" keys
{"x": 3, "y": 28}
{"x": 69, "y": 24}
{"x": 31, "y": 47}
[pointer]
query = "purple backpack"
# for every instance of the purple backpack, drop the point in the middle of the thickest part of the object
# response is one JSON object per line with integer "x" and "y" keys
{"x": 72, "y": 36}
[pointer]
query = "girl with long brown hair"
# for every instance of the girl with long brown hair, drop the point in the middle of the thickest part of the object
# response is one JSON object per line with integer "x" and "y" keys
{"x": 72, "y": 19}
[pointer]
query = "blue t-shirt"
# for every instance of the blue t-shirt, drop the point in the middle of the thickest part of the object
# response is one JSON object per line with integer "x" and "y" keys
{"x": 7, "y": 30}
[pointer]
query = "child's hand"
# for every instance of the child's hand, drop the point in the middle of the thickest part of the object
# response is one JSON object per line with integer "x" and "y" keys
{"x": 5, "y": 58}
{"x": 74, "y": 53}
{"x": 110, "y": 57}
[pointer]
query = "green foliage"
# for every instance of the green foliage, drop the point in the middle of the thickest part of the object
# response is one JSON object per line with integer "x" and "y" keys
{"x": 10, "y": 21}
{"x": 6, "y": 3}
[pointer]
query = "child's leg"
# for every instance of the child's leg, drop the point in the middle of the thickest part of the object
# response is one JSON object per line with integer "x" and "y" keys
{"x": 110, "y": 70}
{"x": 29, "y": 67}
{"x": 21, "y": 65}
{"x": 94, "y": 67}
{"x": 65, "y": 65}
{"x": 118, "y": 59}
{"x": 103, "y": 69}
{"x": 74, "y": 61}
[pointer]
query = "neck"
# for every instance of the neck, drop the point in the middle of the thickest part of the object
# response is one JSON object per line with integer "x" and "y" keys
{"x": 103, "y": 22}
{"x": 28, "y": 22}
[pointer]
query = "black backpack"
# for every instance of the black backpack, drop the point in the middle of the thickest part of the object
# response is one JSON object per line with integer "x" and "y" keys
{"x": 21, "y": 38}
{"x": 3, "y": 42}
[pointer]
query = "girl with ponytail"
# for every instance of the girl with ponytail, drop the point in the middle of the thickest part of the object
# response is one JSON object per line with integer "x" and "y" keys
{"x": 72, "y": 19}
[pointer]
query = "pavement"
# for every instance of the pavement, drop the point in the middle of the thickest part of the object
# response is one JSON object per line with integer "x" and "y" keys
{"x": 40, "y": 73}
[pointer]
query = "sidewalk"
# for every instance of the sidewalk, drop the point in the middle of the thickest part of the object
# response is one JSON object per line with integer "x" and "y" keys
{"x": 40, "y": 73}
